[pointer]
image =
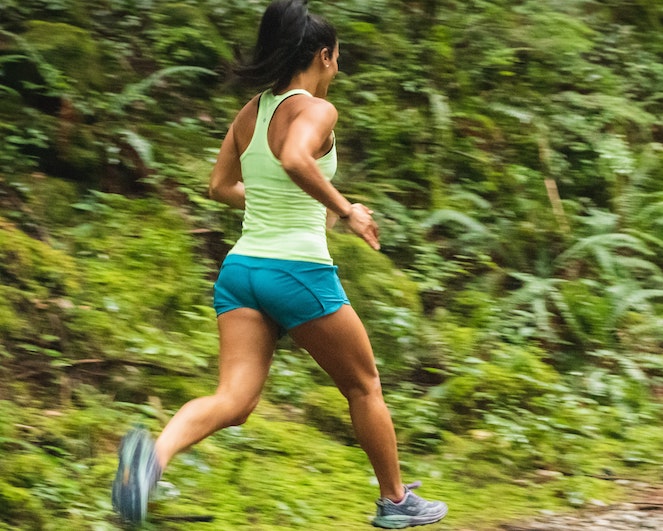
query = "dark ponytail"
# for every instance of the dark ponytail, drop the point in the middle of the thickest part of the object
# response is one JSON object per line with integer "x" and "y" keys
{"x": 288, "y": 39}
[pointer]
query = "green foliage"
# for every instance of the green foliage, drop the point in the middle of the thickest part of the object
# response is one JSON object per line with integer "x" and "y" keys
{"x": 182, "y": 35}
{"x": 47, "y": 78}
{"x": 20, "y": 147}
{"x": 140, "y": 274}
{"x": 70, "y": 50}
{"x": 512, "y": 152}
{"x": 34, "y": 266}
{"x": 512, "y": 377}
{"x": 292, "y": 377}
{"x": 384, "y": 297}
{"x": 326, "y": 409}
{"x": 137, "y": 92}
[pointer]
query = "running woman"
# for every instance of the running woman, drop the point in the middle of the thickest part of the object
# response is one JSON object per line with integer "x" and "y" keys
{"x": 276, "y": 163}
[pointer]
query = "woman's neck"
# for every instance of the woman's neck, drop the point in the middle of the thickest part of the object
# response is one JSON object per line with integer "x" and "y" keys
{"x": 308, "y": 81}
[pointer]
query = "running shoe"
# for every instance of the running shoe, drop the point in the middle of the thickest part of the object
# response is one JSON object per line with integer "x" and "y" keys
{"x": 409, "y": 512}
{"x": 137, "y": 474}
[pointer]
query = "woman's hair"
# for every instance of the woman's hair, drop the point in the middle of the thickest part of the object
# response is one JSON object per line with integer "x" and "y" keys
{"x": 288, "y": 39}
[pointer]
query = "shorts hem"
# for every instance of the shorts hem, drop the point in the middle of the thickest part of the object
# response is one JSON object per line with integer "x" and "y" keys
{"x": 327, "y": 311}
{"x": 228, "y": 309}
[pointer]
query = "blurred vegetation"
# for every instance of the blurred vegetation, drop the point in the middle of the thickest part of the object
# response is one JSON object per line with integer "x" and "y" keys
{"x": 514, "y": 152}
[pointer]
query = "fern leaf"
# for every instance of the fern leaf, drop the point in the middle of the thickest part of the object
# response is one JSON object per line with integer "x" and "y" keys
{"x": 9, "y": 90}
{"x": 447, "y": 216}
{"x": 610, "y": 242}
{"x": 137, "y": 90}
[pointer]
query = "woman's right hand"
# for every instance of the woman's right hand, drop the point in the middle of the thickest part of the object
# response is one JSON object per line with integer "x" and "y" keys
{"x": 360, "y": 221}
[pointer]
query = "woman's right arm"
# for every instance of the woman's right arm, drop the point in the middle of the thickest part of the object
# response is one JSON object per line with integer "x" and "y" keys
{"x": 226, "y": 184}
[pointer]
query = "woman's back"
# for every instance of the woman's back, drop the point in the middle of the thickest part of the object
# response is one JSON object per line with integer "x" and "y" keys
{"x": 287, "y": 111}
{"x": 281, "y": 220}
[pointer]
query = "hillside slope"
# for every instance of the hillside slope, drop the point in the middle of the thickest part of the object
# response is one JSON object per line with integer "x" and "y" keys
{"x": 514, "y": 154}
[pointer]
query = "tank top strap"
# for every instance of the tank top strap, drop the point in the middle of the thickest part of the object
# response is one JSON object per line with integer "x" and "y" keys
{"x": 267, "y": 107}
{"x": 279, "y": 98}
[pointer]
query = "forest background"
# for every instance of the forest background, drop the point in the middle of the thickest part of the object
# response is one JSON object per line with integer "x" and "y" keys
{"x": 513, "y": 151}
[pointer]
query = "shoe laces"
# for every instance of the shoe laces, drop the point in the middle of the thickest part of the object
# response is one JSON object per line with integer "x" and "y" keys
{"x": 414, "y": 485}
{"x": 408, "y": 488}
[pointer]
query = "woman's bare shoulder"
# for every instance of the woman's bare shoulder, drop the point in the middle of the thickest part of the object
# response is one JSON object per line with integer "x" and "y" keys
{"x": 315, "y": 108}
{"x": 249, "y": 111}
{"x": 245, "y": 123}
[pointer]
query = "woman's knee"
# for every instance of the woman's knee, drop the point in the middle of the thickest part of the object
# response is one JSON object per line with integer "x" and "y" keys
{"x": 236, "y": 410}
{"x": 240, "y": 418}
{"x": 362, "y": 389}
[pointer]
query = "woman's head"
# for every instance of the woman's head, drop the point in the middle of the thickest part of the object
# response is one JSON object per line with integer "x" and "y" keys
{"x": 288, "y": 40}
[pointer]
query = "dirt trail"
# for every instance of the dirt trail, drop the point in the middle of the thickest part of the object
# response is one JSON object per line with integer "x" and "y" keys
{"x": 644, "y": 511}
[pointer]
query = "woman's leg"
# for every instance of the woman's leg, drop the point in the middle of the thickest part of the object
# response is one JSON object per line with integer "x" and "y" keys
{"x": 339, "y": 344}
{"x": 247, "y": 340}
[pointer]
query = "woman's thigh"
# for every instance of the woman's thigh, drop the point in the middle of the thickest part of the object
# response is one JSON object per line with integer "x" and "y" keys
{"x": 340, "y": 345}
{"x": 247, "y": 339}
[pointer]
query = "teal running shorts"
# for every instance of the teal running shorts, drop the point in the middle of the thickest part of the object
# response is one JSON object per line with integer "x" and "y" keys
{"x": 291, "y": 292}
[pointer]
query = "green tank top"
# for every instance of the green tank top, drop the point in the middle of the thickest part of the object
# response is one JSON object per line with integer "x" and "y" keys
{"x": 280, "y": 219}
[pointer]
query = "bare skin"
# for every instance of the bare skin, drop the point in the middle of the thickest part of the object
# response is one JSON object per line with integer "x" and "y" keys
{"x": 301, "y": 131}
{"x": 340, "y": 345}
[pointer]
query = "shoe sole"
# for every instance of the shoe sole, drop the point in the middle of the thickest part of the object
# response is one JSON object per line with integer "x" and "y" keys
{"x": 394, "y": 521}
{"x": 129, "y": 500}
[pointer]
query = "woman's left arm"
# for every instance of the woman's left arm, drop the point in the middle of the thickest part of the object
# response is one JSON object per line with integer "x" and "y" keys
{"x": 306, "y": 134}
{"x": 226, "y": 184}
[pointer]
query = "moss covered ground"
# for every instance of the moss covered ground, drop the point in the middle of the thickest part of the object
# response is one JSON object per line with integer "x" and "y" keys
{"x": 512, "y": 153}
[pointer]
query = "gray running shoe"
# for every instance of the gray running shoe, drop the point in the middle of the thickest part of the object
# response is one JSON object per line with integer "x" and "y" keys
{"x": 137, "y": 474}
{"x": 410, "y": 512}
